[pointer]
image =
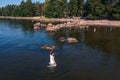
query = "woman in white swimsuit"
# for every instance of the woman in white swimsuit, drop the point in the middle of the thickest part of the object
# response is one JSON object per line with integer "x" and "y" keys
{"x": 52, "y": 59}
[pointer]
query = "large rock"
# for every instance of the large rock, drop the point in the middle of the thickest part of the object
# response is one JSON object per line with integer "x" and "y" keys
{"x": 36, "y": 28}
{"x": 43, "y": 25}
{"x": 50, "y": 29}
{"x": 37, "y": 24}
{"x": 70, "y": 24}
{"x": 62, "y": 39}
{"x": 50, "y": 25}
{"x": 72, "y": 40}
{"x": 49, "y": 47}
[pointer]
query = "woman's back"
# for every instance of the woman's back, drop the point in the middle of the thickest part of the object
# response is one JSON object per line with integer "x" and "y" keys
{"x": 52, "y": 60}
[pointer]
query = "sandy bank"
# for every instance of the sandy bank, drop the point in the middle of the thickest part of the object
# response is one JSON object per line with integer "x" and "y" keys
{"x": 80, "y": 21}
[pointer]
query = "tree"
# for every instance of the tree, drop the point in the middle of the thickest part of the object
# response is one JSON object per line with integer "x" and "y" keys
{"x": 76, "y": 7}
{"x": 23, "y": 9}
{"x": 96, "y": 10}
{"x": 38, "y": 9}
{"x": 73, "y": 7}
{"x": 15, "y": 10}
{"x": 80, "y": 5}
{"x": 0, "y": 12}
{"x": 92, "y": 9}
{"x": 116, "y": 11}
{"x": 29, "y": 8}
{"x": 55, "y": 8}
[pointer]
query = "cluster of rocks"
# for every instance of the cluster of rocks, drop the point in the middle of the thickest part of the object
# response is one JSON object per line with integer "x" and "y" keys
{"x": 62, "y": 39}
{"x": 38, "y": 25}
{"x": 68, "y": 40}
{"x": 54, "y": 28}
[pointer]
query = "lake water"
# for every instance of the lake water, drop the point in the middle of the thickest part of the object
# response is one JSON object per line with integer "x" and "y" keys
{"x": 95, "y": 57}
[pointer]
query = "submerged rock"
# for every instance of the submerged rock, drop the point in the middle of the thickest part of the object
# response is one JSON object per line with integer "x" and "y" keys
{"x": 72, "y": 40}
{"x": 36, "y": 28}
{"x": 49, "y": 47}
{"x": 62, "y": 39}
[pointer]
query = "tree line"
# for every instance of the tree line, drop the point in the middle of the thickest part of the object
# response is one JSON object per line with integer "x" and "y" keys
{"x": 91, "y": 9}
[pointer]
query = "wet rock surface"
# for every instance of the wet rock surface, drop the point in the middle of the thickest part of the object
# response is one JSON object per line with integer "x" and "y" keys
{"x": 49, "y": 47}
{"x": 72, "y": 40}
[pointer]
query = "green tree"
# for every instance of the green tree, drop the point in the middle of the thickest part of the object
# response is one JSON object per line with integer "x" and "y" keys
{"x": 0, "y": 12}
{"x": 76, "y": 7}
{"x": 37, "y": 9}
{"x": 13, "y": 8}
{"x": 103, "y": 9}
{"x": 55, "y": 8}
{"x": 29, "y": 8}
{"x": 73, "y": 7}
{"x": 96, "y": 10}
{"x": 22, "y": 8}
{"x": 80, "y": 5}
{"x": 116, "y": 11}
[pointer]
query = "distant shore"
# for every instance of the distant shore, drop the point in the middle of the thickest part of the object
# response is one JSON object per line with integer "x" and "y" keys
{"x": 81, "y": 21}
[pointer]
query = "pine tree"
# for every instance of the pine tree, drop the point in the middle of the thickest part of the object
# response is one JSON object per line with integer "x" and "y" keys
{"x": 55, "y": 8}
{"x": 37, "y": 9}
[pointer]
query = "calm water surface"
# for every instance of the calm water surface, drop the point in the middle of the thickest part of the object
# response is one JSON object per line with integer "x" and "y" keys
{"x": 95, "y": 57}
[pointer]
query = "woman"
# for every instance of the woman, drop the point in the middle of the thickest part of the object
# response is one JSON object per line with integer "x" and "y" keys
{"x": 52, "y": 60}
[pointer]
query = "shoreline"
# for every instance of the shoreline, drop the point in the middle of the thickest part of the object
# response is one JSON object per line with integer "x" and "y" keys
{"x": 82, "y": 22}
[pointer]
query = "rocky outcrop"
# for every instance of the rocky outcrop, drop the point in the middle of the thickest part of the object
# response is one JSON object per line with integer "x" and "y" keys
{"x": 72, "y": 40}
{"x": 54, "y": 28}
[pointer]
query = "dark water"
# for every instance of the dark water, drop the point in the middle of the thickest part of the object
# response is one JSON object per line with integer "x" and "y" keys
{"x": 95, "y": 57}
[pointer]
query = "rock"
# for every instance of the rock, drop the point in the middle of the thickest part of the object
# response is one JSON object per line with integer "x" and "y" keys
{"x": 43, "y": 25}
{"x": 50, "y": 29}
{"x": 72, "y": 40}
{"x": 62, "y": 39}
{"x": 50, "y": 25}
{"x": 49, "y": 47}
{"x": 37, "y": 24}
{"x": 68, "y": 23}
{"x": 36, "y": 28}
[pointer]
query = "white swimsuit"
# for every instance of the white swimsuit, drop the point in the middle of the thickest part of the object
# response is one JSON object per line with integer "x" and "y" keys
{"x": 52, "y": 61}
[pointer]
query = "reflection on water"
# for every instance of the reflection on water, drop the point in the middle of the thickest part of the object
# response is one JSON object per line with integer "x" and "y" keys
{"x": 52, "y": 69}
{"x": 95, "y": 57}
